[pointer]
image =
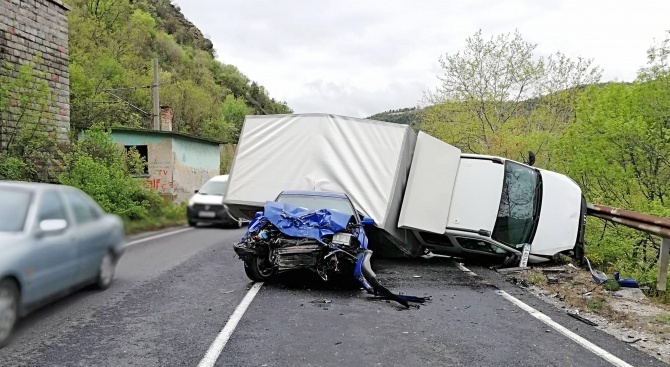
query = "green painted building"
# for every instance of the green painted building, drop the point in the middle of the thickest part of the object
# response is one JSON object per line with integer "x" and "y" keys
{"x": 178, "y": 163}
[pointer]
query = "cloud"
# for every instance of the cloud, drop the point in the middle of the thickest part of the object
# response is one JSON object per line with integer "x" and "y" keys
{"x": 357, "y": 58}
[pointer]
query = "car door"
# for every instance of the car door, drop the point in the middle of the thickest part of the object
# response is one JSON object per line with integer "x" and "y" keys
{"x": 52, "y": 262}
{"x": 90, "y": 235}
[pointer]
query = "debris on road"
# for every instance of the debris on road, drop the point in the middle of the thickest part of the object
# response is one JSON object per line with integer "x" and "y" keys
{"x": 598, "y": 276}
{"x": 512, "y": 270}
{"x": 321, "y": 301}
{"x": 581, "y": 318}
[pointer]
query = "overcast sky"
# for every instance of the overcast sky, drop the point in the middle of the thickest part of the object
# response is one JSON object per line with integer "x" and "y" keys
{"x": 360, "y": 57}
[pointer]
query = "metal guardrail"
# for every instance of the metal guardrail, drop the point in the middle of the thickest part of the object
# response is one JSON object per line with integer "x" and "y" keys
{"x": 642, "y": 222}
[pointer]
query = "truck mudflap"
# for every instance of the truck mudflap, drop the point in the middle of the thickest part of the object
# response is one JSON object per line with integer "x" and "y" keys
{"x": 363, "y": 272}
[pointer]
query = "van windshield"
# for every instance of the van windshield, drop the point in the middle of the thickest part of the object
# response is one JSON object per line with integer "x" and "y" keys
{"x": 519, "y": 205}
{"x": 214, "y": 188}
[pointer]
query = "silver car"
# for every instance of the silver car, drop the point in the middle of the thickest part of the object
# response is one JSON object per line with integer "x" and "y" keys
{"x": 53, "y": 240}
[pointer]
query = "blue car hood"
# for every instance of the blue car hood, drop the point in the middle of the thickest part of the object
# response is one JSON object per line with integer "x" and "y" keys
{"x": 298, "y": 222}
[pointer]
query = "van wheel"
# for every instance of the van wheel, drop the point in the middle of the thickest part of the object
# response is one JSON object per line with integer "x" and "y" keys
{"x": 106, "y": 271}
{"x": 258, "y": 269}
{"x": 9, "y": 310}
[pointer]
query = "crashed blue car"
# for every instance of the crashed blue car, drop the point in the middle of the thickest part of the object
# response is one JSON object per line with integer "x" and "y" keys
{"x": 314, "y": 230}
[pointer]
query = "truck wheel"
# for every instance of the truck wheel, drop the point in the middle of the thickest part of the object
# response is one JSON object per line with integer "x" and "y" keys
{"x": 9, "y": 310}
{"x": 258, "y": 269}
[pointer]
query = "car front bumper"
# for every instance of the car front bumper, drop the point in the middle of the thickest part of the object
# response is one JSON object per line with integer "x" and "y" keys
{"x": 216, "y": 214}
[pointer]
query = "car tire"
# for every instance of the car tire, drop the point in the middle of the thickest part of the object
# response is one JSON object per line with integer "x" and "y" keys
{"x": 192, "y": 223}
{"x": 256, "y": 269}
{"x": 9, "y": 310}
{"x": 106, "y": 271}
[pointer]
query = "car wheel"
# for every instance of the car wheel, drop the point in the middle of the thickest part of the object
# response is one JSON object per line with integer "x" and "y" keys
{"x": 192, "y": 223}
{"x": 9, "y": 310}
{"x": 258, "y": 269}
{"x": 106, "y": 271}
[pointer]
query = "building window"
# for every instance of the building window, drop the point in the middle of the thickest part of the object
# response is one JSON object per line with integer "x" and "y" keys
{"x": 144, "y": 154}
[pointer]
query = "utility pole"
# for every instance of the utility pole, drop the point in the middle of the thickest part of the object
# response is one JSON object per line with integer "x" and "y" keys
{"x": 157, "y": 105}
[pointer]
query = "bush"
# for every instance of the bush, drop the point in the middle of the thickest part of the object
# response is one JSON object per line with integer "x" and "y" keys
{"x": 103, "y": 170}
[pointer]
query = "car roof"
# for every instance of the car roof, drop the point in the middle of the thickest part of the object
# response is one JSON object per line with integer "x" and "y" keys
{"x": 315, "y": 193}
{"x": 219, "y": 178}
{"x": 33, "y": 186}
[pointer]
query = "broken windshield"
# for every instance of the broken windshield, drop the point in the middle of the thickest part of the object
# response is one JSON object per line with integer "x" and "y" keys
{"x": 311, "y": 202}
{"x": 519, "y": 205}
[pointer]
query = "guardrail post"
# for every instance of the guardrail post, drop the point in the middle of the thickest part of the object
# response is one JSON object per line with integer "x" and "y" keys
{"x": 662, "y": 282}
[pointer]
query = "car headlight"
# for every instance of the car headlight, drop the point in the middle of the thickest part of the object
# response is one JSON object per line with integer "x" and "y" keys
{"x": 191, "y": 202}
{"x": 342, "y": 239}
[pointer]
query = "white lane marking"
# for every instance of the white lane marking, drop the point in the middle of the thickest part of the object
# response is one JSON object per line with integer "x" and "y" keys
{"x": 556, "y": 326}
{"x": 133, "y": 243}
{"x": 222, "y": 339}
{"x": 463, "y": 268}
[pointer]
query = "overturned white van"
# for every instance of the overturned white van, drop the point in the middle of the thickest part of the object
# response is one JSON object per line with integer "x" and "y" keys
{"x": 491, "y": 206}
{"x": 423, "y": 194}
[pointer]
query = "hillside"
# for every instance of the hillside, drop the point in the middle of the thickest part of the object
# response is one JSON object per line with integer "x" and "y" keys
{"x": 405, "y": 116}
{"x": 112, "y": 44}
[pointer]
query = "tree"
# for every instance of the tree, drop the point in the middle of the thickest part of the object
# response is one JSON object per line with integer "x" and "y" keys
{"x": 618, "y": 150}
{"x": 499, "y": 97}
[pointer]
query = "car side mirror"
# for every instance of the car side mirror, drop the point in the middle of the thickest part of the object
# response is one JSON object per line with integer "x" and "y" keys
{"x": 52, "y": 226}
{"x": 367, "y": 221}
{"x": 531, "y": 158}
{"x": 196, "y": 191}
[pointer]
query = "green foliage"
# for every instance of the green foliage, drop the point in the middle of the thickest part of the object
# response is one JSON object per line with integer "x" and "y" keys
{"x": 28, "y": 146}
{"x": 104, "y": 171}
{"x": 537, "y": 279}
{"x": 13, "y": 169}
{"x": 497, "y": 97}
{"x": 612, "y": 285}
{"x": 595, "y": 305}
{"x": 405, "y": 116}
{"x": 112, "y": 44}
{"x": 618, "y": 150}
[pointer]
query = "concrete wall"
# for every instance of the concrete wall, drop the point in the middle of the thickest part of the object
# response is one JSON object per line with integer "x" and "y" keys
{"x": 32, "y": 27}
{"x": 160, "y": 161}
{"x": 195, "y": 162}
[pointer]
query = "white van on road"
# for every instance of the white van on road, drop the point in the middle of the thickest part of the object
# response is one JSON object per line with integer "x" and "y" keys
{"x": 207, "y": 206}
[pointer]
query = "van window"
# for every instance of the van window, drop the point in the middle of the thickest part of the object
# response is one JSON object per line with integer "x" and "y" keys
{"x": 519, "y": 205}
{"x": 479, "y": 245}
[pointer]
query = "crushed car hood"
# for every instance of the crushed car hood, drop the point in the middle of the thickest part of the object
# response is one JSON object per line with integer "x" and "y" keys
{"x": 299, "y": 222}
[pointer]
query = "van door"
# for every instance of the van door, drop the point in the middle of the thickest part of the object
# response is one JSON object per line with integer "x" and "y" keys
{"x": 430, "y": 185}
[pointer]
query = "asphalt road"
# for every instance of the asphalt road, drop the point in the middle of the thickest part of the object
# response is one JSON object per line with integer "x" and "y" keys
{"x": 173, "y": 295}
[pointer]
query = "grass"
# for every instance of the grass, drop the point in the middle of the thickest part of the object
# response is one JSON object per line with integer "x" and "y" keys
{"x": 537, "y": 279}
{"x": 664, "y": 319}
{"x": 170, "y": 215}
{"x": 595, "y": 305}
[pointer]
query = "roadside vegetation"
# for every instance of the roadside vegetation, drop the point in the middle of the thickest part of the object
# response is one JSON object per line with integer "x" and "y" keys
{"x": 112, "y": 44}
{"x": 499, "y": 97}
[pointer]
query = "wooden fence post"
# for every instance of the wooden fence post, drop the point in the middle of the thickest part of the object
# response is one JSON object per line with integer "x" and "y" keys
{"x": 662, "y": 282}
